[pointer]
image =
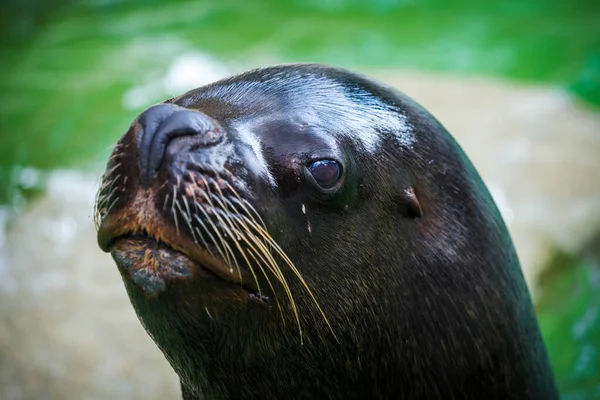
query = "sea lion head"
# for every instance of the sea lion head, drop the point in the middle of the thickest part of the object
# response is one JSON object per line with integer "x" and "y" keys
{"x": 304, "y": 226}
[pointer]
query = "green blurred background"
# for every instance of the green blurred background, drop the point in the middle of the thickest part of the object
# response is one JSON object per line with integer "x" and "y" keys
{"x": 68, "y": 67}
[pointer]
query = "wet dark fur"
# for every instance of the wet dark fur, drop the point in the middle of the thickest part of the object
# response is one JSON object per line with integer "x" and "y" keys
{"x": 431, "y": 307}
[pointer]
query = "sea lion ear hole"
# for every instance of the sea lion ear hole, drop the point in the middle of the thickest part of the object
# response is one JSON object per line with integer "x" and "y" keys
{"x": 326, "y": 173}
{"x": 413, "y": 207}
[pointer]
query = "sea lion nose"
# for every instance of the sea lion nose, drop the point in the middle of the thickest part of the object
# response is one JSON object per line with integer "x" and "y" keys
{"x": 165, "y": 122}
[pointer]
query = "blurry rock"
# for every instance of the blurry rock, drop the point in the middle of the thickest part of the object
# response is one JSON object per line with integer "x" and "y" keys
{"x": 67, "y": 330}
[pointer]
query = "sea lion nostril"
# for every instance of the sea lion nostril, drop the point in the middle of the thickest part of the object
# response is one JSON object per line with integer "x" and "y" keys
{"x": 165, "y": 122}
{"x": 151, "y": 119}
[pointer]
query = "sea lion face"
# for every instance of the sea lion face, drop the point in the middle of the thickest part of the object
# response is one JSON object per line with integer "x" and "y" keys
{"x": 240, "y": 207}
{"x": 245, "y": 192}
{"x": 300, "y": 222}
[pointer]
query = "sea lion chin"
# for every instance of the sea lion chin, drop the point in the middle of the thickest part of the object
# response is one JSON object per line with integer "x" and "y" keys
{"x": 301, "y": 231}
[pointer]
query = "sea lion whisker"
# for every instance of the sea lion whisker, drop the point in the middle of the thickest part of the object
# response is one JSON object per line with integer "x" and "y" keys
{"x": 242, "y": 201}
{"x": 206, "y": 194}
{"x": 244, "y": 232}
{"x": 279, "y": 274}
{"x": 97, "y": 219}
{"x": 273, "y": 244}
{"x": 215, "y": 229}
{"x": 174, "y": 196}
{"x": 274, "y": 267}
{"x": 264, "y": 255}
{"x": 198, "y": 206}
{"x": 204, "y": 240}
{"x": 250, "y": 211}
{"x": 220, "y": 195}
{"x": 111, "y": 205}
{"x": 99, "y": 204}
{"x": 106, "y": 193}
{"x": 248, "y": 237}
{"x": 224, "y": 227}
{"x": 111, "y": 170}
{"x": 104, "y": 201}
{"x": 101, "y": 200}
{"x": 292, "y": 266}
{"x": 188, "y": 220}
{"x": 235, "y": 261}
{"x": 175, "y": 219}
{"x": 225, "y": 251}
{"x": 226, "y": 248}
{"x": 253, "y": 253}
{"x": 115, "y": 156}
{"x": 256, "y": 213}
{"x": 268, "y": 258}
{"x": 112, "y": 189}
{"x": 241, "y": 250}
{"x": 187, "y": 207}
{"x": 106, "y": 183}
{"x": 165, "y": 202}
{"x": 207, "y": 189}
{"x": 173, "y": 209}
{"x": 223, "y": 206}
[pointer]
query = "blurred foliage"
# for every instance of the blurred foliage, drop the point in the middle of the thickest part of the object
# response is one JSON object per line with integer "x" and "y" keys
{"x": 67, "y": 64}
{"x": 569, "y": 316}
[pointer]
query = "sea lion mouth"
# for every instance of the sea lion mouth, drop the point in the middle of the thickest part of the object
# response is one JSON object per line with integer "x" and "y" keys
{"x": 197, "y": 221}
{"x": 153, "y": 263}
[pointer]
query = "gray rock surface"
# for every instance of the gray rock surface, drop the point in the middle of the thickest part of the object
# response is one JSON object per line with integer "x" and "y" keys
{"x": 67, "y": 329}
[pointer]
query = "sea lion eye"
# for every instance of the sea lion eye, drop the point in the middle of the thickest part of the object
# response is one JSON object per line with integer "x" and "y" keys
{"x": 325, "y": 172}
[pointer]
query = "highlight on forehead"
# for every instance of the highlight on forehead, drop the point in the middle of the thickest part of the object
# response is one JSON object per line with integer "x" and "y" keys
{"x": 258, "y": 165}
{"x": 345, "y": 109}
{"x": 354, "y": 113}
{"x": 321, "y": 97}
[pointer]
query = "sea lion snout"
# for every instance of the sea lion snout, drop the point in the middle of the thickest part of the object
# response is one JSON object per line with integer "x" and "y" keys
{"x": 163, "y": 123}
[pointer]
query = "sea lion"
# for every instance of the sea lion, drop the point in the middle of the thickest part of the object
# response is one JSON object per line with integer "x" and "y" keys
{"x": 303, "y": 232}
